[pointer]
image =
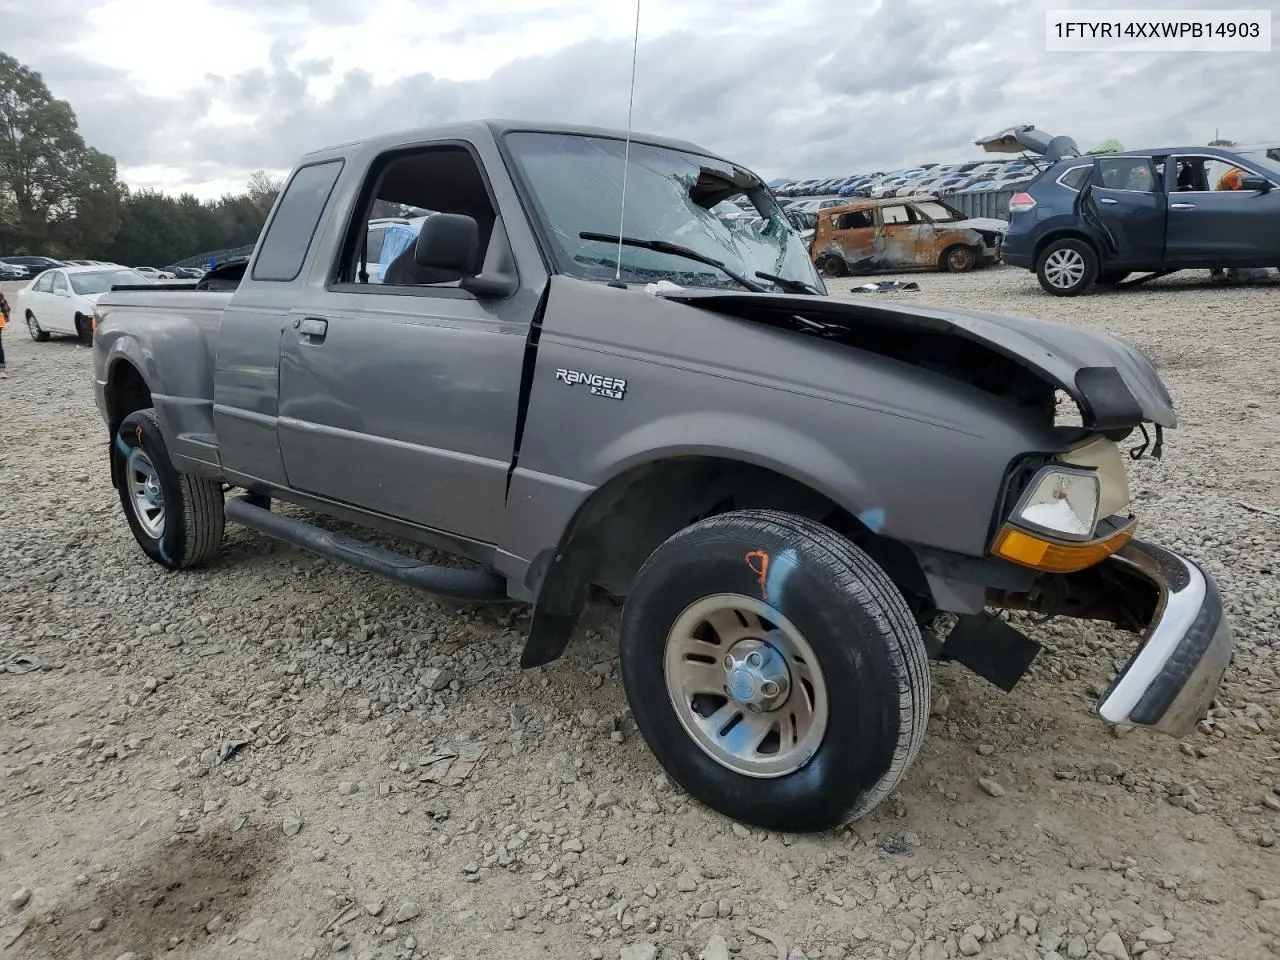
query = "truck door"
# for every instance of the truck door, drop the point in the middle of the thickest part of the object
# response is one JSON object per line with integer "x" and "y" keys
{"x": 1211, "y": 227}
{"x": 246, "y": 383}
{"x": 399, "y": 393}
{"x": 1125, "y": 202}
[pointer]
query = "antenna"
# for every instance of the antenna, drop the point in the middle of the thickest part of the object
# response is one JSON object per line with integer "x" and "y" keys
{"x": 626, "y": 156}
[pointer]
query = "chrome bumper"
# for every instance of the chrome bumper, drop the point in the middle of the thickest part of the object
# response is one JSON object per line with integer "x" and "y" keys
{"x": 1171, "y": 680}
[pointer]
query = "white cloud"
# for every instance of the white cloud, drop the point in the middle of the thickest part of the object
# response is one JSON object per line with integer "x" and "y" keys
{"x": 193, "y": 94}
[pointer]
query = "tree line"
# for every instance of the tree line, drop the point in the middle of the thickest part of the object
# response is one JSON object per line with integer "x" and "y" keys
{"x": 61, "y": 198}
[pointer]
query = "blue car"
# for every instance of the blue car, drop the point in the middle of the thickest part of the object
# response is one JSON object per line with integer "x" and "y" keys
{"x": 1088, "y": 220}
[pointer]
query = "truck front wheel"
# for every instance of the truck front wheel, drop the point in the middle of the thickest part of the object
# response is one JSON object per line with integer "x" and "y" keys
{"x": 177, "y": 518}
{"x": 775, "y": 670}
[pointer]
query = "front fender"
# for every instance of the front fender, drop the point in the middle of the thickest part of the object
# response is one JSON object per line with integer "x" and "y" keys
{"x": 744, "y": 438}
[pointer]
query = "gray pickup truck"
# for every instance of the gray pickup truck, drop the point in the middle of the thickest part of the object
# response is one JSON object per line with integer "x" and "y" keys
{"x": 792, "y": 492}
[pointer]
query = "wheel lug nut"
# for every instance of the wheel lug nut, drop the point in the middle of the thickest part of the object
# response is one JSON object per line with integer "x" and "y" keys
{"x": 769, "y": 688}
{"x": 728, "y": 661}
{"x": 755, "y": 659}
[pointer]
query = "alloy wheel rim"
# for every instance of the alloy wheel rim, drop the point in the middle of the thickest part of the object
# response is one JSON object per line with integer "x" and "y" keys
{"x": 145, "y": 493}
{"x": 746, "y": 685}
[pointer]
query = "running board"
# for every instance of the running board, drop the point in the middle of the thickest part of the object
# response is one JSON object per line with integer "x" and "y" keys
{"x": 480, "y": 586}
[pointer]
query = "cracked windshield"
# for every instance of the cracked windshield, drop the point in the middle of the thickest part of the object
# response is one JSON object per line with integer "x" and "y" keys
{"x": 677, "y": 197}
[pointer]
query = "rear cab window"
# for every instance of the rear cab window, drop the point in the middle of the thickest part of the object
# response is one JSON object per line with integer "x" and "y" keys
{"x": 288, "y": 238}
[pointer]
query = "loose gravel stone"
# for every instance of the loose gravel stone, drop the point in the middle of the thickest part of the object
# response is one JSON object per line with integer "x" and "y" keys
{"x": 407, "y": 911}
{"x": 990, "y": 787}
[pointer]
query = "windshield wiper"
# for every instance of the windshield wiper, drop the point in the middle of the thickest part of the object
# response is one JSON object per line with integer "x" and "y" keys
{"x": 675, "y": 249}
{"x": 798, "y": 286}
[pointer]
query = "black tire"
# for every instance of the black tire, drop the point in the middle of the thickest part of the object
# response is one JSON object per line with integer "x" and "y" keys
{"x": 191, "y": 507}
{"x": 958, "y": 259}
{"x": 832, "y": 266}
{"x": 1110, "y": 278}
{"x": 858, "y": 626}
{"x": 1074, "y": 251}
{"x": 84, "y": 329}
{"x": 33, "y": 328}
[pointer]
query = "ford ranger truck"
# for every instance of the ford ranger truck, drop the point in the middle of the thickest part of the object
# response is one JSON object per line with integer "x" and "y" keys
{"x": 574, "y": 395}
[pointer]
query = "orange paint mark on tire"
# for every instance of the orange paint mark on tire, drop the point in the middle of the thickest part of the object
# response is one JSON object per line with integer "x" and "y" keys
{"x": 761, "y": 570}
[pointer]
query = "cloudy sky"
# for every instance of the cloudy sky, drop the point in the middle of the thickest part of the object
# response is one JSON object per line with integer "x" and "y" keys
{"x": 195, "y": 94}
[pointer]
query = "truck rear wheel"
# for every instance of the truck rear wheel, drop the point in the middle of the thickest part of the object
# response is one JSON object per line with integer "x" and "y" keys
{"x": 177, "y": 518}
{"x": 775, "y": 670}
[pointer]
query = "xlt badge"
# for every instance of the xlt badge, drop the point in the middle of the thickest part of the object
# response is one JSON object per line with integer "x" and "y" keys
{"x": 612, "y": 387}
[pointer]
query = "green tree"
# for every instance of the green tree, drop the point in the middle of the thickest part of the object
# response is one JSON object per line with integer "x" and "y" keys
{"x": 61, "y": 198}
{"x": 56, "y": 194}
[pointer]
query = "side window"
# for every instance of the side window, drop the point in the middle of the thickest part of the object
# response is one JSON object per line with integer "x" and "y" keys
{"x": 289, "y": 236}
{"x": 1225, "y": 175}
{"x": 896, "y": 214}
{"x": 402, "y": 190}
{"x": 1127, "y": 173}
{"x": 60, "y": 283}
{"x": 44, "y": 284}
{"x": 1191, "y": 175}
{"x": 855, "y": 220}
{"x": 1074, "y": 179}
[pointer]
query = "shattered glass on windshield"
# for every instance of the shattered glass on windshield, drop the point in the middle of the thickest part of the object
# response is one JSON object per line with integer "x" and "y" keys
{"x": 576, "y": 182}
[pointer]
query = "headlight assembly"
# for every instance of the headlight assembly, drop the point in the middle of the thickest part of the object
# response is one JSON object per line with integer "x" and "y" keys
{"x": 1062, "y": 502}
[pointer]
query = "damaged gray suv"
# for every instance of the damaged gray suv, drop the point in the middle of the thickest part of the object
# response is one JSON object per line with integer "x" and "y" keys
{"x": 788, "y": 490}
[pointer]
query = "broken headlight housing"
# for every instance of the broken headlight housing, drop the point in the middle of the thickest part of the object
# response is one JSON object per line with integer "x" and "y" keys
{"x": 1068, "y": 516}
{"x": 1061, "y": 501}
{"x": 1068, "y": 496}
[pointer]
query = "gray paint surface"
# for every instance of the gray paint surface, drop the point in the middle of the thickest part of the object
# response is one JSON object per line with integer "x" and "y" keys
{"x": 405, "y": 414}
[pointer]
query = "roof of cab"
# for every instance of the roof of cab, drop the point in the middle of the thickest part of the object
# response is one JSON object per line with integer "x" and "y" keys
{"x": 496, "y": 129}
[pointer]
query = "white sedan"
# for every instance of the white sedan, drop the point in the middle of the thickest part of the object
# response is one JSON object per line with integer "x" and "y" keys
{"x": 151, "y": 273}
{"x": 63, "y": 300}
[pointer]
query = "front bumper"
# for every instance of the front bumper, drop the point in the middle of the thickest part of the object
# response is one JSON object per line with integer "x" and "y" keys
{"x": 1171, "y": 680}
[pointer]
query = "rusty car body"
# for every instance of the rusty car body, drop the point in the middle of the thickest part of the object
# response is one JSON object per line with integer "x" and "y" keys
{"x": 902, "y": 233}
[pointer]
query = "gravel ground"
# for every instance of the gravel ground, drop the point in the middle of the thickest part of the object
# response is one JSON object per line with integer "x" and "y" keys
{"x": 276, "y": 757}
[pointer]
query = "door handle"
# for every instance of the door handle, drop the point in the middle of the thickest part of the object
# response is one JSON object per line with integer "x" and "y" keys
{"x": 1182, "y": 206}
{"x": 313, "y": 327}
{"x": 1106, "y": 200}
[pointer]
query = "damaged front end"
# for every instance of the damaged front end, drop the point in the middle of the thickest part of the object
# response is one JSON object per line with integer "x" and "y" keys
{"x": 1186, "y": 644}
{"x": 1063, "y": 539}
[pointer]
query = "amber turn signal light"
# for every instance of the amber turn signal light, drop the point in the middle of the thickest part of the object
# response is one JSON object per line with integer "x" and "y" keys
{"x": 1028, "y": 550}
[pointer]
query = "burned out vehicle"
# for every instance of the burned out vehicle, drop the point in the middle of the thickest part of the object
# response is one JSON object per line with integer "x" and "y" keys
{"x": 902, "y": 233}
{"x": 788, "y": 489}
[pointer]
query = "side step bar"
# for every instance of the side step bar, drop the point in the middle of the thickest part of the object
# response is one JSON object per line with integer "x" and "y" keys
{"x": 481, "y": 586}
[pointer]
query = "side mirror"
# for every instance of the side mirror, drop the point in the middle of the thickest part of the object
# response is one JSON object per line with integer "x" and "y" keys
{"x": 449, "y": 241}
{"x": 1261, "y": 184}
